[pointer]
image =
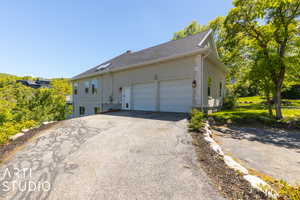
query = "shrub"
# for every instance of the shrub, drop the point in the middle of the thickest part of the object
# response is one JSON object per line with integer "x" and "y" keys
{"x": 292, "y": 92}
{"x": 289, "y": 192}
{"x": 229, "y": 102}
{"x": 196, "y": 122}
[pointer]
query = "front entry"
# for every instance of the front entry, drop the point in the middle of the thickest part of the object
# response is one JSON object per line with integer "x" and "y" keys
{"x": 126, "y": 91}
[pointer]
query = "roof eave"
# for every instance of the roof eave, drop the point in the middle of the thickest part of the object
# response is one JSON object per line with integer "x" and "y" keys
{"x": 215, "y": 59}
{"x": 191, "y": 53}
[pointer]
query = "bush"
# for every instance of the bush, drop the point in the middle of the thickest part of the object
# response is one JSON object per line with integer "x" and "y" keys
{"x": 24, "y": 107}
{"x": 288, "y": 192}
{"x": 292, "y": 92}
{"x": 229, "y": 102}
{"x": 196, "y": 122}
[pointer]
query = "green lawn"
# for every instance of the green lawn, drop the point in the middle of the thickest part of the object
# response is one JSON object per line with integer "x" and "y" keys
{"x": 251, "y": 109}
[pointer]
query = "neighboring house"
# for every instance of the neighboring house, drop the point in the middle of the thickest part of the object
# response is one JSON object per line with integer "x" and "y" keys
{"x": 35, "y": 84}
{"x": 172, "y": 77}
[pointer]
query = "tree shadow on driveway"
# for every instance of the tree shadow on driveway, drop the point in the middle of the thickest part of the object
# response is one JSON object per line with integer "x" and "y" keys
{"x": 164, "y": 116}
{"x": 278, "y": 137}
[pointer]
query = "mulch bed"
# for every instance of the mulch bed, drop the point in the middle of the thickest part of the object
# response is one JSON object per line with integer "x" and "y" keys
{"x": 5, "y": 149}
{"x": 231, "y": 184}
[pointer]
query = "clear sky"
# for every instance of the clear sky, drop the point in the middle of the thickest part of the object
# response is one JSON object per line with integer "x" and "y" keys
{"x": 61, "y": 38}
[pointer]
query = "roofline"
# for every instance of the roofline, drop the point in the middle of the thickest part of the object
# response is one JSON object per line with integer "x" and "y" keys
{"x": 191, "y": 53}
{"x": 205, "y": 37}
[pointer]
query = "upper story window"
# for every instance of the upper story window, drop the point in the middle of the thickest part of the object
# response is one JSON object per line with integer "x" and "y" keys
{"x": 94, "y": 86}
{"x": 75, "y": 88}
{"x": 86, "y": 86}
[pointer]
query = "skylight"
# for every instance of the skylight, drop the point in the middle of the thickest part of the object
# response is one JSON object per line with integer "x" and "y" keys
{"x": 101, "y": 67}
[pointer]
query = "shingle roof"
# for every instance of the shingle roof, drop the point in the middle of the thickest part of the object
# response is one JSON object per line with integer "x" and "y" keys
{"x": 173, "y": 47}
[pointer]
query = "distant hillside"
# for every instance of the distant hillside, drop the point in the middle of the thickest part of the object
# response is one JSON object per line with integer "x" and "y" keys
{"x": 6, "y": 75}
{"x": 3, "y": 75}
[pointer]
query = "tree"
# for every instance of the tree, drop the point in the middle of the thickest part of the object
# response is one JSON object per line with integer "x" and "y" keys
{"x": 272, "y": 26}
{"x": 24, "y": 107}
{"x": 191, "y": 29}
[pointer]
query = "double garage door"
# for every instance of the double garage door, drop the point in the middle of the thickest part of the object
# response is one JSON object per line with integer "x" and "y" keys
{"x": 171, "y": 96}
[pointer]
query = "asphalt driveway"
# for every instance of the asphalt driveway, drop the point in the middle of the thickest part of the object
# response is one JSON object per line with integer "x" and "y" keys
{"x": 272, "y": 151}
{"x": 121, "y": 155}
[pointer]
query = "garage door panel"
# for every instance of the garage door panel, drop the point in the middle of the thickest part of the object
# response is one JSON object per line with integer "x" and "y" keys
{"x": 144, "y": 97}
{"x": 176, "y": 96}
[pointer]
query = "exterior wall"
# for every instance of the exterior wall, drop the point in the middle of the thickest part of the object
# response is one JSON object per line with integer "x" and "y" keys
{"x": 89, "y": 101}
{"x": 110, "y": 95}
{"x": 109, "y": 85}
{"x": 217, "y": 75}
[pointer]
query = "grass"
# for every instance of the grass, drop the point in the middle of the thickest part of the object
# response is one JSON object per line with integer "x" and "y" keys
{"x": 256, "y": 100}
{"x": 252, "y": 109}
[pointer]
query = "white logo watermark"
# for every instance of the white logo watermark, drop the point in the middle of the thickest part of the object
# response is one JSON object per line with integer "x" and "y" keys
{"x": 19, "y": 180}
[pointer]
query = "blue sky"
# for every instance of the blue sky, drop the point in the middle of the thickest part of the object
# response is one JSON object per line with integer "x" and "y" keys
{"x": 61, "y": 38}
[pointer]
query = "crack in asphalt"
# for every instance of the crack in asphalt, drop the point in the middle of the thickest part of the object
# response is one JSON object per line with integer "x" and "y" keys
{"x": 45, "y": 156}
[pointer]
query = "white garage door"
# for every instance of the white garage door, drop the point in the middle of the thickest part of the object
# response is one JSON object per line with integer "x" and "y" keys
{"x": 144, "y": 97}
{"x": 176, "y": 96}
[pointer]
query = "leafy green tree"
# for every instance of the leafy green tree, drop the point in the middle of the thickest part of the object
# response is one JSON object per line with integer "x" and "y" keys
{"x": 24, "y": 107}
{"x": 272, "y": 26}
{"x": 191, "y": 29}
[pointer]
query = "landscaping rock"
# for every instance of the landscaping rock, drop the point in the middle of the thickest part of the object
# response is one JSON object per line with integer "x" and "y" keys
{"x": 16, "y": 136}
{"x": 209, "y": 139}
{"x": 25, "y": 130}
{"x": 234, "y": 165}
{"x": 217, "y": 148}
{"x": 261, "y": 185}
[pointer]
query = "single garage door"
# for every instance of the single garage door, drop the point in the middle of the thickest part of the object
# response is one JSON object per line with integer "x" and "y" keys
{"x": 176, "y": 96}
{"x": 144, "y": 97}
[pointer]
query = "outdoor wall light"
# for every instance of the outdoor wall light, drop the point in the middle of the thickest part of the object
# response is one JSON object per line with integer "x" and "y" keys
{"x": 194, "y": 84}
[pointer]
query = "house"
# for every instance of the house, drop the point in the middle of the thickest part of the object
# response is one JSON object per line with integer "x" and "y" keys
{"x": 171, "y": 77}
{"x": 35, "y": 84}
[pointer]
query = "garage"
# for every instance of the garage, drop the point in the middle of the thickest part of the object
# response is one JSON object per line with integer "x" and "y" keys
{"x": 175, "y": 95}
{"x": 144, "y": 97}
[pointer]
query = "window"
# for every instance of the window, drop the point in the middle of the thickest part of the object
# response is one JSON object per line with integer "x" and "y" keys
{"x": 81, "y": 110}
{"x": 86, "y": 87}
{"x": 94, "y": 86}
{"x": 97, "y": 110}
{"x": 220, "y": 89}
{"x": 208, "y": 91}
{"x": 209, "y": 83}
{"x": 75, "y": 88}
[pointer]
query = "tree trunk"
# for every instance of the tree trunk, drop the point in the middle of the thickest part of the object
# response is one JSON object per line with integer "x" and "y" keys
{"x": 269, "y": 101}
{"x": 270, "y": 105}
{"x": 278, "y": 103}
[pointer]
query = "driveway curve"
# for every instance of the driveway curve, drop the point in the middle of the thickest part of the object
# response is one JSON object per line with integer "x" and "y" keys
{"x": 122, "y": 155}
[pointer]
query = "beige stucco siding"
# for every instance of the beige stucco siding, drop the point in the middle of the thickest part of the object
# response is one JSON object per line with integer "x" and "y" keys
{"x": 176, "y": 69}
{"x": 110, "y": 85}
{"x": 89, "y": 101}
{"x": 217, "y": 76}
{"x": 109, "y": 93}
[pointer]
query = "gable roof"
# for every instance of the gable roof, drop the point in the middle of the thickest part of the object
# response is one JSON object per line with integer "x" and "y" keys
{"x": 165, "y": 50}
